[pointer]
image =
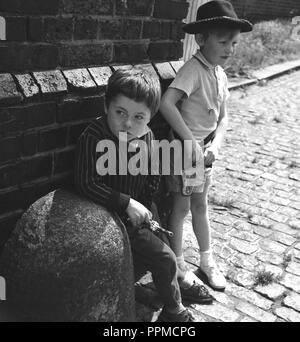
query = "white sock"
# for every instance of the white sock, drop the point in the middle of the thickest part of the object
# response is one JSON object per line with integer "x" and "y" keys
{"x": 206, "y": 258}
{"x": 180, "y": 262}
{"x": 180, "y": 308}
{"x": 189, "y": 280}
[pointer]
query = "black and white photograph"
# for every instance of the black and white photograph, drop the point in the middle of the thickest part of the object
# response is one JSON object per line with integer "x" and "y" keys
{"x": 150, "y": 163}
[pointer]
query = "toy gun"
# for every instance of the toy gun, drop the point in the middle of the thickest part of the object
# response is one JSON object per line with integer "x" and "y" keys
{"x": 154, "y": 227}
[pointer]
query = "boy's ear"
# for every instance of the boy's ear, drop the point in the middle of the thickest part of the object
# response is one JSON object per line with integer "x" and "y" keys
{"x": 200, "y": 39}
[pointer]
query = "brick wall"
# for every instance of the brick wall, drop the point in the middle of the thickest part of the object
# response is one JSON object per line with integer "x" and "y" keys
{"x": 54, "y": 66}
{"x": 257, "y": 10}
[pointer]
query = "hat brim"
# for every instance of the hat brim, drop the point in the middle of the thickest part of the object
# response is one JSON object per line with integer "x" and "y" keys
{"x": 197, "y": 26}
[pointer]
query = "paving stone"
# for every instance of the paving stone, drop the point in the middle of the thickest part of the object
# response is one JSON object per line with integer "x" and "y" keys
{"x": 243, "y": 278}
{"x": 294, "y": 267}
{"x": 264, "y": 232}
{"x": 285, "y": 239}
{"x": 243, "y": 246}
{"x": 277, "y": 271}
{"x": 272, "y": 291}
{"x": 269, "y": 257}
{"x": 249, "y": 296}
{"x": 51, "y": 82}
{"x": 28, "y": 86}
{"x": 80, "y": 79}
{"x": 223, "y": 251}
{"x": 296, "y": 253}
{"x": 298, "y": 246}
{"x": 295, "y": 224}
{"x": 288, "y": 314}
{"x": 284, "y": 228}
{"x": 291, "y": 281}
{"x": 272, "y": 246}
{"x": 101, "y": 75}
{"x": 248, "y": 320}
{"x": 246, "y": 236}
{"x": 224, "y": 298}
{"x": 165, "y": 70}
{"x": 218, "y": 312}
{"x": 245, "y": 261}
{"x": 9, "y": 93}
{"x": 293, "y": 301}
{"x": 255, "y": 312}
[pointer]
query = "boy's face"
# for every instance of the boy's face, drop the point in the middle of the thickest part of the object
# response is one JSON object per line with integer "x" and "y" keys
{"x": 127, "y": 115}
{"x": 218, "y": 47}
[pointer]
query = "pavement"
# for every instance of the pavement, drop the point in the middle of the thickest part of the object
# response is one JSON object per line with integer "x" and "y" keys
{"x": 254, "y": 204}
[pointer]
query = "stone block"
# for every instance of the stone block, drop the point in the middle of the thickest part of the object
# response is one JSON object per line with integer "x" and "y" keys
{"x": 69, "y": 260}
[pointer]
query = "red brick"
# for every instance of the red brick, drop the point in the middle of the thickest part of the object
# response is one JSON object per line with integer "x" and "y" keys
{"x": 120, "y": 29}
{"x": 36, "y": 167}
{"x": 80, "y": 80}
{"x": 86, "y": 28}
{"x": 135, "y": 8}
{"x": 165, "y": 51}
{"x": 8, "y": 90}
{"x": 52, "y": 139}
{"x": 171, "y": 9}
{"x": 21, "y": 57}
{"x": 56, "y": 29}
{"x": 64, "y": 161}
{"x": 8, "y": 175}
{"x": 30, "y": 6}
{"x": 35, "y": 29}
{"x": 151, "y": 29}
{"x": 28, "y": 86}
{"x": 101, "y": 75}
{"x": 10, "y": 200}
{"x": 130, "y": 52}
{"x": 177, "y": 32}
{"x": 16, "y": 28}
{"x": 77, "y": 55}
{"x": 51, "y": 83}
{"x": 9, "y": 149}
{"x": 94, "y": 7}
{"x": 30, "y": 144}
{"x": 80, "y": 109}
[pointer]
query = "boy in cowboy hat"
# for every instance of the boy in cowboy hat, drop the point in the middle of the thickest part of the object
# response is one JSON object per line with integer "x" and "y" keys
{"x": 195, "y": 107}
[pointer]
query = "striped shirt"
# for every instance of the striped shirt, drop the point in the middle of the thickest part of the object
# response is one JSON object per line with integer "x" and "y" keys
{"x": 111, "y": 191}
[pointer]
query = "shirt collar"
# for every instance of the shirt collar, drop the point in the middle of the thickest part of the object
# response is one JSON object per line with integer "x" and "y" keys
{"x": 203, "y": 60}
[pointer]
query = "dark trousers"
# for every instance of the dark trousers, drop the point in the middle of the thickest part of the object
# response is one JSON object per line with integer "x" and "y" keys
{"x": 152, "y": 252}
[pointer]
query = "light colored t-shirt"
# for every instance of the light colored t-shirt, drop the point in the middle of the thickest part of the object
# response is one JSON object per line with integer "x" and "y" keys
{"x": 206, "y": 88}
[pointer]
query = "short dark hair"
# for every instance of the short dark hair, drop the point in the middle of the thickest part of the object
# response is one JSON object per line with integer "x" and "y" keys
{"x": 137, "y": 84}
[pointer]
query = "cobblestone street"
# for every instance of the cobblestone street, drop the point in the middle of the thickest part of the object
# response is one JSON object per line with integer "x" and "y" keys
{"x": 255, "y": 207}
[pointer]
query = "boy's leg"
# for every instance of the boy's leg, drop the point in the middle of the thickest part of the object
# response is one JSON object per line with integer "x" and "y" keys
{"x": 202, "y": 230}
{"x": 180, "y": 209}
{"x": 158, "y": 258}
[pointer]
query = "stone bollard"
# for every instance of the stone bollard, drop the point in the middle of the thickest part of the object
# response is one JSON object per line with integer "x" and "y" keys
{"x": 69, "y": 259}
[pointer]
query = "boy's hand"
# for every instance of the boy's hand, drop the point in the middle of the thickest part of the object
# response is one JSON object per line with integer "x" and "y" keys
{"x": 138, "y": 213}
{"x": 210, "y": 155}
{"x": 193, "y": 152}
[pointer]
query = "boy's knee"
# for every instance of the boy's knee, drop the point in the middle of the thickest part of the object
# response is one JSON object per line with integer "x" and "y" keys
{"x": 181, "y": 209}
{"x": 200, "y": 207}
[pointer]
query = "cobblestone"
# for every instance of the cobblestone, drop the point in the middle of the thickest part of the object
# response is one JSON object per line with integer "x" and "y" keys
{"x": 258, "y": 174}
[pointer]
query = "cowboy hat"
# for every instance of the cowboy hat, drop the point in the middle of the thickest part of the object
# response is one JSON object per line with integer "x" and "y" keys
{"x": 214, "y": 13}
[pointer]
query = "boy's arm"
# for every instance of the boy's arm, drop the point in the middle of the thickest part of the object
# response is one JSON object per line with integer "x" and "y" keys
{"x": 213, "y": 151}
{"x": 87, "y": 181}
{"x": 172, "y": 115}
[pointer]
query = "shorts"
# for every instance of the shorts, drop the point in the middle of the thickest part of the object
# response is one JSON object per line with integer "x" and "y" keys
{"x": 174, "y": 183}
